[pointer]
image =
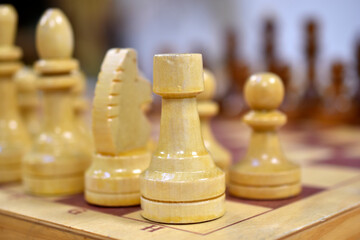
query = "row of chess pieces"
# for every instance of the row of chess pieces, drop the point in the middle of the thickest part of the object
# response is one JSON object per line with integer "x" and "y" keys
{"x": 335, "y": 104}
{"x": 180, "y": 179}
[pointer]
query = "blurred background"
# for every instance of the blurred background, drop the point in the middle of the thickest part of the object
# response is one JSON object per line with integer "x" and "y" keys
{"x": 314, "y": 46}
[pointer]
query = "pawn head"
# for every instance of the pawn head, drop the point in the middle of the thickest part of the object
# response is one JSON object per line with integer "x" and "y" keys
{"x": 209, "y": 86}
{"x": 264, "y": 91}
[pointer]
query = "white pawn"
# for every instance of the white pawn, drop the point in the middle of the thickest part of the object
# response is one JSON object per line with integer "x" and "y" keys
{"x": 264, "y": 172}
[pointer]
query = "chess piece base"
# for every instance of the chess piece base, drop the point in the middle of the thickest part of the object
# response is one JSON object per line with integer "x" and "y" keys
{"x": 10, "y": 175}
{"x": 183, "y": 212}
{"x": 114, "y": 180}
{"x": 246, "y": 176}
{"x": 266, "y": 192}
{"x": 112, "y": 200}
{"x": 54, "y": 186}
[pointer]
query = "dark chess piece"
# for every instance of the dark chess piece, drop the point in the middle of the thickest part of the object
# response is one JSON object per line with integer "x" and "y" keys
{"x": 292, "y": 98}
{"x": 356, "y": 98}
{"x": 311, "y": 99}
{"x": 238, "y": 71}
{"x": 336, "y": 107}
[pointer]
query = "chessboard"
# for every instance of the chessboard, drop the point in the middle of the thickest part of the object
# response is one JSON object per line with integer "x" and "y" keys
{"x": 327, "y": 208}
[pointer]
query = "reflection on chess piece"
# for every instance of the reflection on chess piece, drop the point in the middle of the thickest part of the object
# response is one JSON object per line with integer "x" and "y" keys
{"x": 207, "y": 109}
{"x": 25, "y": 80}
{"x": 264, "y": 172}
{"x": 59, "y": 157}
{"x": 14, "y": 138}
{"x": 337, "y": 106}
{"x": 310, "y": 100}
{"x": 81, "y": 107}
{"x": 182, "y": 183}
{"x": 121, "y": 132}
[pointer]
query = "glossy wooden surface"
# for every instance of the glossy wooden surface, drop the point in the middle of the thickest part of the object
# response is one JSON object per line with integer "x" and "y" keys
{"x": 14, "y": 139}
{"x": 8, "y": 52}
{"x": 59, "y": 156}
{"x": 121, "y": 132}
{"x": 182, "y": 183}
{"x": 331, "y": 211}
{"x": 264, "y": 172}
{"x": 54, "y": 36}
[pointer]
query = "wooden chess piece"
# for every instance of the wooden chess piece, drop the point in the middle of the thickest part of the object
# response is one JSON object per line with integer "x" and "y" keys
{"x": 81, "y": 107}
{"x": 356, "y": 98}
{"x": 121, "y": 132}
{"x": 269, "y": 47}
{"x": 264, "y": 172}
{"x": 28, "y": 99}
{"x": 182, "y": 183}
{"x": 242, "y": 72}
{"x": 207, "y": 109}
{"x": 337, "y": 107}
{"x": 230, "y": 54}
{"x": 238, "y": 71}
{"x": 311, "y": 99}
{"x": 14, "y": 138}
{"x": 59, "y": 156}
{"x": 292, "y": 98}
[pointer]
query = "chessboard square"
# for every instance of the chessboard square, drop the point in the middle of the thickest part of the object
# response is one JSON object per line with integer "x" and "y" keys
{"x": 305, "y": 155}
{"x": 78, "y": 200}
{"x": 340, "y": 136}
{"x": 235, "y": 212}
{"x": 350, "y": 162}
{"x": 306, "y": 191}
{"x": 353, "y": 152}
{"x": 327, "y": 176}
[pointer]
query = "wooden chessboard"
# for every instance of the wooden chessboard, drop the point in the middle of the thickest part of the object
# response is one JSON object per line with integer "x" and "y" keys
{"x": 328, "y": 207}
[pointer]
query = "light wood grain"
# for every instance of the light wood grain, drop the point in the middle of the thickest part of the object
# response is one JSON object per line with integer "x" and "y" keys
{"x": 59, "y": 156}
{"x": 264, "y": 172}
{"x": 54, "y": 36}
{"x": 333, "y": 211}
{"x": 121, "y": 132}
{"x": 124, "y": 93}
{"x": 14, "y": 138}
{"x": 342, "y": 226}
{"x": 182, "y": 183}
